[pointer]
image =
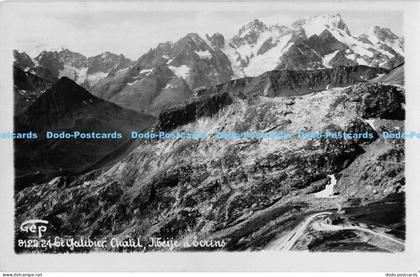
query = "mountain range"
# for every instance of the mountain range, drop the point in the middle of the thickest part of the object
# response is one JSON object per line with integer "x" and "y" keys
{"x": 83, "y": 70}
{"x": 314, "y": 42}
{"x": 179, "y": 68}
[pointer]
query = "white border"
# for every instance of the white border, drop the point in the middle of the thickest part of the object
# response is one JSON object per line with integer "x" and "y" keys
{"x": 220, "y": 261}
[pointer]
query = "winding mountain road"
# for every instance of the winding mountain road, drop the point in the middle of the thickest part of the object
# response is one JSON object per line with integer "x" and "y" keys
{"x": 322, "y": 226}
{"x": 294, "y": 235}
{"x": 286, "y": 243}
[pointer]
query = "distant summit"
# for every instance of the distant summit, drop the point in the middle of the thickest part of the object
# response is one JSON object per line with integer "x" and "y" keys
{"x": 56, "y": 63}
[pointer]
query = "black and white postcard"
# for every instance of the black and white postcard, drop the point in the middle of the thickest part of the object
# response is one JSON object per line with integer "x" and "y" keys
{"x": 233, "y": 135}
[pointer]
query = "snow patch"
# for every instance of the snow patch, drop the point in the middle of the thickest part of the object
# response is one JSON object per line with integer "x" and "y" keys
{"x": 371, "y": 122}
{"x": 393, "y": 42}
{"x": 232, "y": 55}
{"x": 208, "y": 42}
{"x": 361, "y": 61}
{"x": 168, "y": 86}
{"x": 96, "y": 77}
{"x": 182, "y": 71}
{"x": 380, "y": 75}
{"x": 327, "y": 58}
{"x": 270, "y": 59}
{"x": 329, "y": 189}
{"x": 146, "y": 71}
{"x": 122, "y": 70}
{"x": 132, "y": 83}
{"x": 79, "y": 75}
{"x": 315, "y": 25}
{"x": 204, "y": 54}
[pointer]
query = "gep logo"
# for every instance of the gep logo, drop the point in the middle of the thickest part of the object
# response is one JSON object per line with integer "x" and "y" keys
{"x": 35, "y": 226}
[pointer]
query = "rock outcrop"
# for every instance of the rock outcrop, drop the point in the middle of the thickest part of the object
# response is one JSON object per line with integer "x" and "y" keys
{"x": 27, "y": 88}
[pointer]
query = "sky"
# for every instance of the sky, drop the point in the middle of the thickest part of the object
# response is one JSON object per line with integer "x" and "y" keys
{"x": 133, "y": 28}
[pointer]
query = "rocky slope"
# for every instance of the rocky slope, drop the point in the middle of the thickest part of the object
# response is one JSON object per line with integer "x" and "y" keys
{"x": 243, "y": 191}
{"x": 270, "y": 84}
{"x": 22, "y": 60}
{"x": 166, "y": 75}
{"x": 27, "y": 87}
{"x": 67, "y": 107}
{"x": 25, "y": 63}
{"x": 297, "y": 82}
{"x": 395, "y": 76}
{"x": 144, "y": 90}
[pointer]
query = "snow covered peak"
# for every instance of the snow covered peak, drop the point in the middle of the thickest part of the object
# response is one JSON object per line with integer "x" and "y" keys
{"x": 281, "y": 29}
{"x": 194, "y": 37}
{"x": 383, "y": 36}
{"x": 255, "y": 26}
{"x": 107, "y": 54}
{"x": 47, "y": 54}
{"x": 36, "y": 50}
{"x": 315, "y": 25}
{"x": 258, "y": 48}
{"x": 252, "y": 33}
{"x": 378, "y": 35}
{"x": 63, "y": 54}
{"x": 216, "y": 40}
{"x": 188, "y": 43}
{"x": 382, "y": 33}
